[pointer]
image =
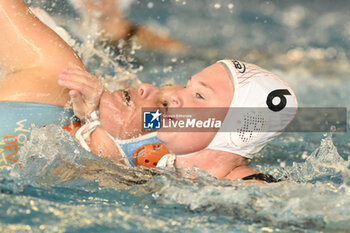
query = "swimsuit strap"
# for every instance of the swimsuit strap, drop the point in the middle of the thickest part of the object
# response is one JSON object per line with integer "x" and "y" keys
{"x": 263, "y": 177}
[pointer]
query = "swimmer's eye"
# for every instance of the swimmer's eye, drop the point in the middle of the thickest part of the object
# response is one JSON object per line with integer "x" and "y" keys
{"x": 199, "y": 96}
{"x": 165, "y": 105}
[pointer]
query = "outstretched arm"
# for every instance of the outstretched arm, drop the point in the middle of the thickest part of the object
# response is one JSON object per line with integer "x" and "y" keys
{"x": 32, "y": 56}
{"x": 115, "y": 27}
{"x": 26, "y": 42}
{"x": 17, "y": 51}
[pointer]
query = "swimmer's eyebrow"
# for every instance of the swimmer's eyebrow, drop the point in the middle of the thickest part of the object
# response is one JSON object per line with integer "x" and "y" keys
{"x": 167, "y": 85}
{"x": 203, "y": 84}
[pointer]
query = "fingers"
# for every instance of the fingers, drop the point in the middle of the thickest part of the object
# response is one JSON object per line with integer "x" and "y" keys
{"x": 73, "y": 78}
{"x": 80, "y": 76}
{"x": 83, "y": 97}
{"x": 75, "y": 95}
{"x": 85, "y": 89}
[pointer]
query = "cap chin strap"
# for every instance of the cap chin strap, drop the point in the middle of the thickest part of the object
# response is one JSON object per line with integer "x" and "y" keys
{"x": 84, "y": 132}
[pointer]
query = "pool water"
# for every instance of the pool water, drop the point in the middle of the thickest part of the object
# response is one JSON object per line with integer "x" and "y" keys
{"x": 62, "y": 188}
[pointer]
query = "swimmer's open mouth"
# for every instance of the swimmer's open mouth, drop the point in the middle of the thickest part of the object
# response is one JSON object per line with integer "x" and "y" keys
{"x": 126, "y": 97}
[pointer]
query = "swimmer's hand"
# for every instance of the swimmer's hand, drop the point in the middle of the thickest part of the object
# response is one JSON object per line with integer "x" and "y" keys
{"x": 85, "y": 90}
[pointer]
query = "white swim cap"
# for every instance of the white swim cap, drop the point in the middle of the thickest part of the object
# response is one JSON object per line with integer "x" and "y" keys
{"x": 262, "y": 106}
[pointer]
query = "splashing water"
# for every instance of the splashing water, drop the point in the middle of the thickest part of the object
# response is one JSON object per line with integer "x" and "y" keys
{"x": 324, "y": 161}
{"x": 115, "y": 67}
{"x": 58, "y": 177}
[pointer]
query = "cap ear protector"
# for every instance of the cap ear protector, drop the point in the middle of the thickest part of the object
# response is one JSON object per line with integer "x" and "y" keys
{"x": 148, "y": 155}
{"x": 255, "y": 113}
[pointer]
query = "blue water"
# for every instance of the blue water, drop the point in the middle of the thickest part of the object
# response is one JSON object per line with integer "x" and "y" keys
{"x": 62, "y": 188}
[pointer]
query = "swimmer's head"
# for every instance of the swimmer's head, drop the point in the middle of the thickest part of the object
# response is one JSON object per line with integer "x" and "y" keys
{"x": 240, "y": 85}
{"x": 121, "y": 111}
{"x": 209, "y": 88}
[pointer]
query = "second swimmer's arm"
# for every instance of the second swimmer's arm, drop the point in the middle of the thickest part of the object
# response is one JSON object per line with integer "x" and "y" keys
{"x": 32, "y": 56}
{"x": 26, "y": 42}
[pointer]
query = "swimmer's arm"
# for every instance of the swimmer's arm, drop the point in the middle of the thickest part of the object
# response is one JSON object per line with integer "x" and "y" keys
{"x": 85, "y": 90}
{"x": 27, "y": 43}
{"x": 116, "y": 27}
{"x": 109, "y": 17}
{"x": 150, "y": 38}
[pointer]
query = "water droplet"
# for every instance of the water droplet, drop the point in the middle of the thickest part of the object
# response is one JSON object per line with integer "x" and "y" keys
{"x": 333, "y": 128}
{"x": 217, "y": 6}
{"x": 150, "y": 5}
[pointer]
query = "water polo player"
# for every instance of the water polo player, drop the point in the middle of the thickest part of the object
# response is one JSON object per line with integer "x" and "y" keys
{"x": 260, "y": 106}
{"x": 112, "y": 120}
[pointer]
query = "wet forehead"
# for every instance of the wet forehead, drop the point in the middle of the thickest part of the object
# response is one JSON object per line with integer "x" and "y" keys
{"x": 170, "y": 88}
{"x": 216, "y": 77}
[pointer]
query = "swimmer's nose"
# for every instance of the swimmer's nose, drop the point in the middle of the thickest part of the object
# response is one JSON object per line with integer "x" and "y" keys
{"x": 146, "y": 90}
{"x": 175, "y": 101}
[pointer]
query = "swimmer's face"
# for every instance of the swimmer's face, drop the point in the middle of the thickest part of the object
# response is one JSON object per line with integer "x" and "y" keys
{"x": 121, "y": 111}
{"x": 210, "y": 88}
